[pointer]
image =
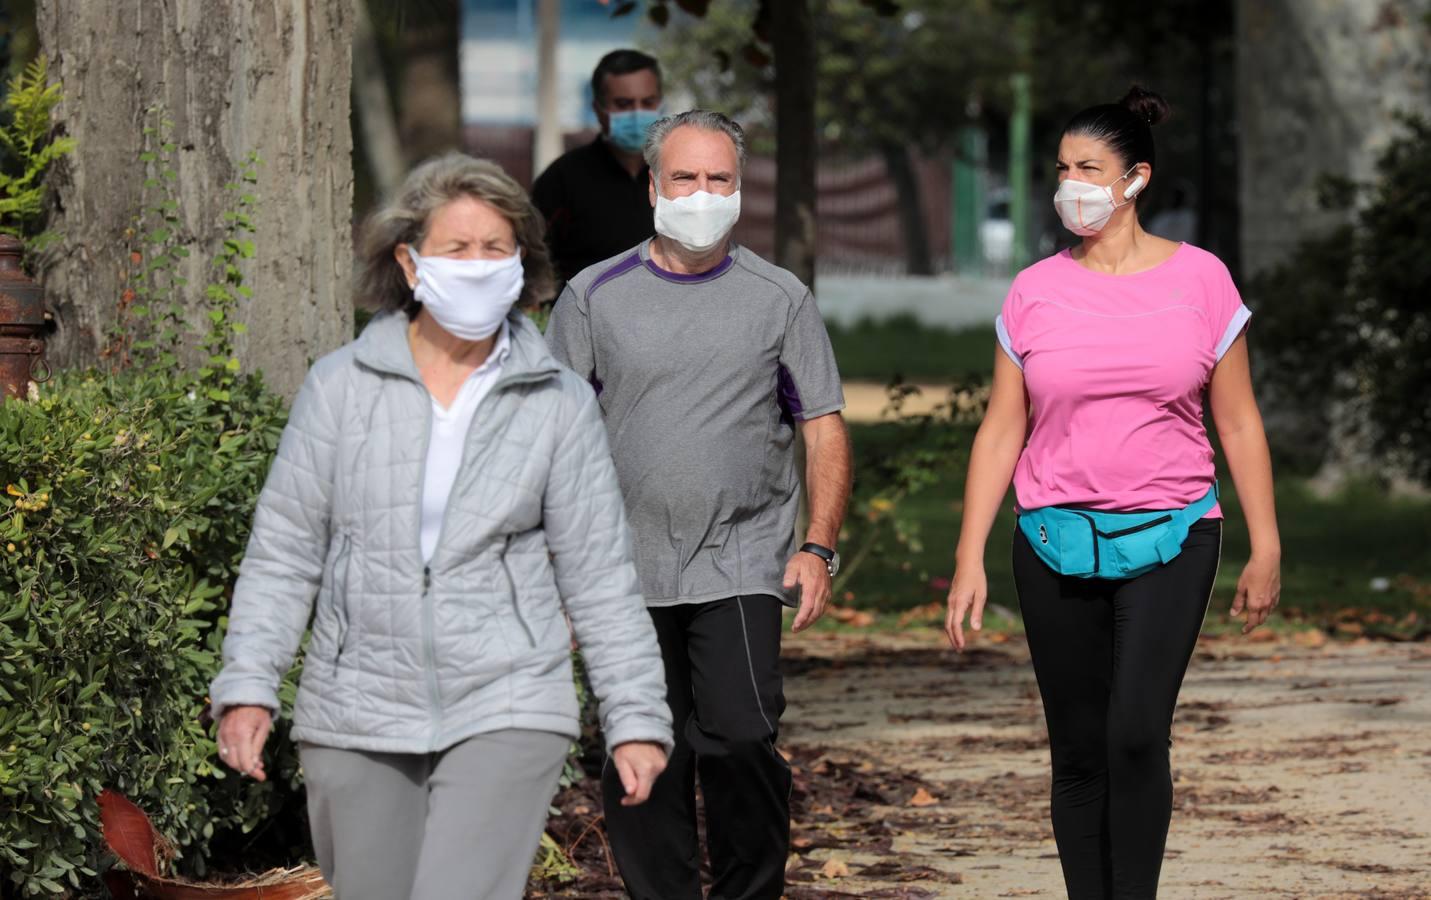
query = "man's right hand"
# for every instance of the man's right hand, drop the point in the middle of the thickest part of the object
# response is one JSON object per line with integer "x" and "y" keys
{"x": 242, "y": 733}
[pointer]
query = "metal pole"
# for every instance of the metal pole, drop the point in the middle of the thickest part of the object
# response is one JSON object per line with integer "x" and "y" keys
{"x": 968, "y": 205}
{"x": 1019, "y": 173}
{"x": 547, "y": 145}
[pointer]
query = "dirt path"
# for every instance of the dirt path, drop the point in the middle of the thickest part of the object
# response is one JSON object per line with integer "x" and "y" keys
{"x": 1300, "y": 771}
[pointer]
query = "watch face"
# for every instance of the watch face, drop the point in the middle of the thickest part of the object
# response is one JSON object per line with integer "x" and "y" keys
{"x": 834, "y": 565}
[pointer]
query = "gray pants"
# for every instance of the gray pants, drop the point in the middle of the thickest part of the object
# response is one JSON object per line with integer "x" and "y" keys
{"x": 462, "y": 824}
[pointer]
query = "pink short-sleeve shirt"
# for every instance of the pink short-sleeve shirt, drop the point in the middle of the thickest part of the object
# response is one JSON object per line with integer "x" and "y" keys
{"x": 1116, "y": 367}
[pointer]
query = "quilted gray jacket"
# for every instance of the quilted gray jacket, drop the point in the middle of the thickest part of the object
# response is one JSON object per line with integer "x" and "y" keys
{"x": 411, "y": 658}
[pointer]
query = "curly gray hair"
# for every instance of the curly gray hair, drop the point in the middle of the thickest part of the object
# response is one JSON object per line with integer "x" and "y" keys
{"x": 404, "y": 220}
{"x": 704, "y": 119}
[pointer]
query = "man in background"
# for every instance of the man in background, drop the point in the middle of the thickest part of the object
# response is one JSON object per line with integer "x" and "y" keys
{"x": 594, "y": 198}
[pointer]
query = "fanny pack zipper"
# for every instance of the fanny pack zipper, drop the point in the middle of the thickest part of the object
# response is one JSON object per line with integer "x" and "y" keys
{"x": 1092, "y": 526}
{"x": 1161, "y": 520}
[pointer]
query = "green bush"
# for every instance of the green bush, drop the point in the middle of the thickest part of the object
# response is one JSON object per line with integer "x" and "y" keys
{"x": 1392, "y": 282}
{"x": 1346, "y": 319}
{"x": 125, "y": 511}
{"x": 918, "y": 452}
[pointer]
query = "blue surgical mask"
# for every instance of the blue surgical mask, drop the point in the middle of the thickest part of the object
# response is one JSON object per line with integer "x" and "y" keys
{"x": 628, "y": 129}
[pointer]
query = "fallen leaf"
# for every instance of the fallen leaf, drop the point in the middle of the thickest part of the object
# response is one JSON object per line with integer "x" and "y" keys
{"x": 856, "y": 618}
{"x": 128, "y": 833}
{"x": 835, "y": 868}
{"x": 923, "y": 798}
{"x": 929, "y": 612}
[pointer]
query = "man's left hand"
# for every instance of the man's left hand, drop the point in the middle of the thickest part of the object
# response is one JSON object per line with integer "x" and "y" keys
{"x": 812, "y": 575}
{"x": 639, "y": 764}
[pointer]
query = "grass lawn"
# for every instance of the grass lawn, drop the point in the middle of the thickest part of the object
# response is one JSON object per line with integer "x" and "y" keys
{"x": 1332, "y": 550}
{"x": 878, "y": 350}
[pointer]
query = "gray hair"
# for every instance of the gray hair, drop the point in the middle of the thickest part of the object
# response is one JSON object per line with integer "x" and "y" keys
{"x": 404, "y": 220}
{"x": 704, "y": 119}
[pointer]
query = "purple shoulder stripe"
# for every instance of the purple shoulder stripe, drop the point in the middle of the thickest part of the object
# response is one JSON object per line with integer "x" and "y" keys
{"x": 621, "y": 268}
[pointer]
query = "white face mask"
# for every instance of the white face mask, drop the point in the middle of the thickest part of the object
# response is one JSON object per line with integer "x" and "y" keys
{"x": 469, "y": 298}
{"x": 699, "y": 221}
{"x": 1085, "y": 208}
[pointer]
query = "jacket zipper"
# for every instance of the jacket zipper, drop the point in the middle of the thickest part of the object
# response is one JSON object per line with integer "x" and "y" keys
{"x": 512, "y": 589}
{"x": 429, "y": 649}
{"x": 1137, "y": 528}
{"x": 429, "y": 627}
{"x": 429, "y": 624}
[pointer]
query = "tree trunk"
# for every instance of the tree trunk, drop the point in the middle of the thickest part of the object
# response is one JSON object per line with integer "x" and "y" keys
{"x": 430, "y": 120}
{"x": 792, "y": 37}
{"x": 381, "y": 147}
{"x": 912, "y": 226}
{"x": 271, "y": 78}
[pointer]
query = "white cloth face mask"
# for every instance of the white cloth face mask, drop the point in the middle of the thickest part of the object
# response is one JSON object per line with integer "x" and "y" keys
{"x": 1085, "y": 208}
{"x": 699, "y": 221}
{"x": 469, "y": 298}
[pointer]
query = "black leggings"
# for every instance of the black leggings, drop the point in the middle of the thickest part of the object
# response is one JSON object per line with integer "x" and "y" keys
{"x": 1110, "y": 658}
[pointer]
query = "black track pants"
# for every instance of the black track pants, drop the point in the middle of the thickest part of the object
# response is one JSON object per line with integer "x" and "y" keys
{"x": 1110, "y": 658}
{"x": 723, "y": 684}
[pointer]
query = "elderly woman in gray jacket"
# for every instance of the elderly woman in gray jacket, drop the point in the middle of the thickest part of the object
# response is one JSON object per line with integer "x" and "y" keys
{"x": 444, "y": 492}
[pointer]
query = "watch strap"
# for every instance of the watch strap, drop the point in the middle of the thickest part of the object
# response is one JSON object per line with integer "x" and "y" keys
{"x": 823, "y": 552}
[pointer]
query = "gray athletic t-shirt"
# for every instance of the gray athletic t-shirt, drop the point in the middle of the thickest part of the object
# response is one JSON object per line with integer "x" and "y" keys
{"x": 701, "y": 379}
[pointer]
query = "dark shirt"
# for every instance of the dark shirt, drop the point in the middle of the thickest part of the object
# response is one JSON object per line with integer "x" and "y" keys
{"x": 594, "y": 208}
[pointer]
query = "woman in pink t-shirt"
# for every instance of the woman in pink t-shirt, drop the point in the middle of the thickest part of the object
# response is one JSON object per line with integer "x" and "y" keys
{"x": 1108, "y": 351}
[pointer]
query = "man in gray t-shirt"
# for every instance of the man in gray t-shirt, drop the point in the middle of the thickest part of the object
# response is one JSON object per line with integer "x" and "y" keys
{"x": 706, "y": 360}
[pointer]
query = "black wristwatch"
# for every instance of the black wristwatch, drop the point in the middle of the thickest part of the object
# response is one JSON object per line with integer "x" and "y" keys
{"x": 831, "y": 558}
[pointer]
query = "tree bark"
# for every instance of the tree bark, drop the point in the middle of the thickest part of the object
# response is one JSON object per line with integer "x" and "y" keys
{"x": 792, "y": 36}
{"x": 430, "y": 118}
{"x": 272, "y": 78}
{"x": 912, "y": 226}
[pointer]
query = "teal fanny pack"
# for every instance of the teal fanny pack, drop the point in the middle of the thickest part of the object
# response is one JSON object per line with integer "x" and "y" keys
{"x": 1088, "y": 543}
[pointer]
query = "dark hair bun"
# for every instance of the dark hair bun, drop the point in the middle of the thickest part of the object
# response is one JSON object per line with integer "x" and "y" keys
{"x": 1145, "y": 104}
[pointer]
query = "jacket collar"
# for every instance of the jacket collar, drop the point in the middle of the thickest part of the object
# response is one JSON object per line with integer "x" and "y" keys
{"x": 383, "y": 347}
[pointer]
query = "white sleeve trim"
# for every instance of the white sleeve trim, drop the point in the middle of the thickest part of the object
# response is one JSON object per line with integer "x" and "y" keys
{"x": 1234, "y": 328}
{"x": 1007, "y": 342}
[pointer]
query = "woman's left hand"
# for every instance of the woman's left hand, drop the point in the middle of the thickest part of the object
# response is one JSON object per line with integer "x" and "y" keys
{"x": 638, "y": 763}
{"x": 1258, "y": 591}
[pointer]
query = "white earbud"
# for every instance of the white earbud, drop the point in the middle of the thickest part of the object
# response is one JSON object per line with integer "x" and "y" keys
{"x": 1132, "y": 188}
